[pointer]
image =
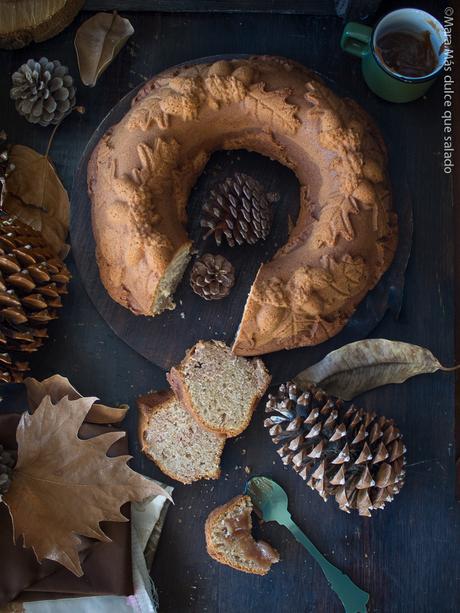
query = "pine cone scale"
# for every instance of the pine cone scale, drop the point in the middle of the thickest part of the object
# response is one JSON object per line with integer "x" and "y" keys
{"x": 8, "y": 264}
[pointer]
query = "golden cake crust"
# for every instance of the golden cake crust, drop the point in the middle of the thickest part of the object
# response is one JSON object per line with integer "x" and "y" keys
{"x": 213, "y": 518}
{"x": 141, "y": 173}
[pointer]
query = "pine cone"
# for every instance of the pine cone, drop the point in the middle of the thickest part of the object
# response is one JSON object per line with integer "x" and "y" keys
{"x": 7, "y": 462}
{"x": 343, "y": 451}
{"x": 238, "y": 209}
{"x": 32, "y": 280}
{"x": 212, "y": 277}
{"x": 43, "y": 91}
{"x": 5, "y": 166}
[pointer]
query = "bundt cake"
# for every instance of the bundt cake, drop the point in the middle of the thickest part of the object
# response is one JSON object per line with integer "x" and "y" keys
{"x": 142, "y": 171}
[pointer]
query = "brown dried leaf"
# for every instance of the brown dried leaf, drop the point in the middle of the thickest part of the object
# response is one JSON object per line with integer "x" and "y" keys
{"x": 98, "y": 41}
{"x": 63, "y": 486}
{"x": 364, "y": 365}
{"x": 36, "y": 195}
{"x": 57, "y": 387}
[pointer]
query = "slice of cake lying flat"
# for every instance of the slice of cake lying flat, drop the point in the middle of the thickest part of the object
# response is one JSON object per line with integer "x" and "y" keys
{"x": 220, "y": 389}
{"x": 179, "y": 446}
{"x": 229, "y": 539}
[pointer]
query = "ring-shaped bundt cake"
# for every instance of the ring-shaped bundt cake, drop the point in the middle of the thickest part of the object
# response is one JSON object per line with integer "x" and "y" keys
{"x": 142, "y": 171}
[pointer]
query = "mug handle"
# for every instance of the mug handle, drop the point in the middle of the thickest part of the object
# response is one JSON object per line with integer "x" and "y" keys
{"x": 356, "y": 38}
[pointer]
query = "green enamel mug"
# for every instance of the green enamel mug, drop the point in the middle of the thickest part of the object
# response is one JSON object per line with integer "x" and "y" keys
{"x": 363, "y": 42}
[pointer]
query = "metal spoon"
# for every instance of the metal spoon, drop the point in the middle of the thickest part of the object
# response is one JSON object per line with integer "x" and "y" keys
{"x": 272, "y": 501}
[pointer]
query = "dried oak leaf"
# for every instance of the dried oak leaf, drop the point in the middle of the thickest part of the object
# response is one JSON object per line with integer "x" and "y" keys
{"x": 63, "y": 486}
{"x": 98, "y": 41}
{"x": 37, "y": 197}
{"x": 57, "y": 387}
{"x": 364, "y": 365}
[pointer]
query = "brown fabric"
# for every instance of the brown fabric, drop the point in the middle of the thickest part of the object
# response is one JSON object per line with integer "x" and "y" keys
{"x": 107, "y": 566}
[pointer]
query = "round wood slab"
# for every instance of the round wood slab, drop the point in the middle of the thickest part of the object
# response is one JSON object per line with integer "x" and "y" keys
{"x": 164, "y": 339}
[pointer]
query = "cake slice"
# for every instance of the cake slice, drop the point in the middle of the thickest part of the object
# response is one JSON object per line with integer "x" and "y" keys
{"x": 177, "y": 443}
{"x": 220, "y": 389}
{"x": 229, "y": 539}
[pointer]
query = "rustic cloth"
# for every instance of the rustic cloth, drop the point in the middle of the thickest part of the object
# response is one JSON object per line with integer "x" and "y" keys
{"x": 145, "y": 519}
{"x": 116, "y": 569}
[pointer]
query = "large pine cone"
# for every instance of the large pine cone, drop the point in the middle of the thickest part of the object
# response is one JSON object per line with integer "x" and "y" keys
{"x": 43, "y": 91}
{"x": 342, "y": 450}
{"x": 32, "y": 280}
{"x": 238, "y": 209}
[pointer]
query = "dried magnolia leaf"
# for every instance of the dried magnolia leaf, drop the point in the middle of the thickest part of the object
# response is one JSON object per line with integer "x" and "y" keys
{"x": 98, "y": 41}
{"x": 57, "y": 387}
{"x": 64, "y": 486}
{"x": 364, "y": 365}
{"x": 37, "y": 197}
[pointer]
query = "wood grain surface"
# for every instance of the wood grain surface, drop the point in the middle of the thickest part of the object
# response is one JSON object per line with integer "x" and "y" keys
{"x": 406, "y": 556}
{"x": 309, "y": 7}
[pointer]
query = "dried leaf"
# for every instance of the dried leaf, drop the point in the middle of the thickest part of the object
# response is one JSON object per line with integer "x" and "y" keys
{"x": 36, "y": 195}
{"x": 57, "y": 387}
{"x": 98, "y": 41}
{"x": 364, "y": 365}
{"x": 63, "y": 486}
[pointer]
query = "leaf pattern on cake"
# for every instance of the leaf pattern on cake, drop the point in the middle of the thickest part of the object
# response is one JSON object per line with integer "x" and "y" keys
{"x": 272, "y": 107}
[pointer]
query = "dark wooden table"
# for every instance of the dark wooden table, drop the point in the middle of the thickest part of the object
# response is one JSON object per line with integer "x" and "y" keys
{"x": 407, "y": 556}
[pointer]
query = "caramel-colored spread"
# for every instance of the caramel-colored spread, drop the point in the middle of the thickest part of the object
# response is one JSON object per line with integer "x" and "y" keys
{"x": 239, "y": 527}
{"x": 408, "y": 53}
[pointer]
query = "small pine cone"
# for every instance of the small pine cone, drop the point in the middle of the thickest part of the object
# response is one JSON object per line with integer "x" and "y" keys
{"x": 43, "y": 91}
{"x": 238, "y": 209}
{"x": 212, "y": 277}
{"x": 342, "y": 451}
{"x": 32, "y": 281}
{"x": 7, "y": 463}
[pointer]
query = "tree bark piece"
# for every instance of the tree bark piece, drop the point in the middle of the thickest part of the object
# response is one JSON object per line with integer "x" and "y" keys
{"x": 26, "y": 21}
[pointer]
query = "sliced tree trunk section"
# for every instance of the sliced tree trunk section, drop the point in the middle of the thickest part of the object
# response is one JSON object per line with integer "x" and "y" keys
{"x": 26, "y": 21}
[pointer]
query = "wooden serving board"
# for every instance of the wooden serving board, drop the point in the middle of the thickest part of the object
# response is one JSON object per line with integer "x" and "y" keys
{"x": 164, "y": 339}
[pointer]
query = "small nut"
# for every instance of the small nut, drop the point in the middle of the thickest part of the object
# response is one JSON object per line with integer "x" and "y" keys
{"x": 244, "y": 73}
{"x": 220, "y": 69}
